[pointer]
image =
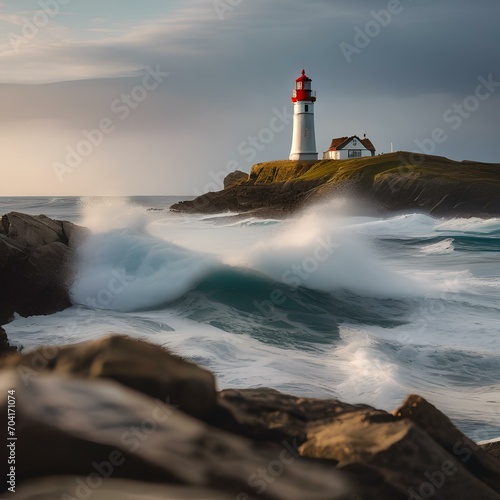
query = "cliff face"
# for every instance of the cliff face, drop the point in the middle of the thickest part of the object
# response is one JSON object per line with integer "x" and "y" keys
{"x": 392, "y": 182}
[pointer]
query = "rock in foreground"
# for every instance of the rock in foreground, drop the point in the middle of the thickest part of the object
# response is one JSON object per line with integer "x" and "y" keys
{"x": 141, "y": 366}
{"x": 117, "y": 417}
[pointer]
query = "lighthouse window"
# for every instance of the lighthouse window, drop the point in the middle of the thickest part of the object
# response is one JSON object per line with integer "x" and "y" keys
{"x": 307, "y": 108}
{"x": 299, "y": 85}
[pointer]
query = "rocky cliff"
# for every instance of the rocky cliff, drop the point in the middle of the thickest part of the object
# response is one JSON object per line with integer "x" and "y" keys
{"x": 393, "y": 182}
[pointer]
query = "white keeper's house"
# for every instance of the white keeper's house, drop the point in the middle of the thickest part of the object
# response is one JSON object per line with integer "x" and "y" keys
{"x": 343, "y": 148}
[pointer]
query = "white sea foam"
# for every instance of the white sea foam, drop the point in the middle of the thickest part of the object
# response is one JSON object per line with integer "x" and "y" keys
{"x": 469, "y": 226}
{"x": 442, "y": 247}
{"x": 122, "y": 267}
{"x": 322, "y": 252}
{"x": 105, "y": 214}
{"x": 400, "y": 226}
{"x": 125, "y": 271}
{"x": 369, "y": 374}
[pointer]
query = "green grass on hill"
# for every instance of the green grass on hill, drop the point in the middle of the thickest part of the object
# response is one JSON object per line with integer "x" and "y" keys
{"x": 371, "y": 167}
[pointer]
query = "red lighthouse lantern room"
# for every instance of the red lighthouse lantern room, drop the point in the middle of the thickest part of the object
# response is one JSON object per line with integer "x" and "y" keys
{"x": 303, "y": 90}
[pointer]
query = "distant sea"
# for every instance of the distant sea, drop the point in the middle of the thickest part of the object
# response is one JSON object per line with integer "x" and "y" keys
{"x": 324, "y": 304}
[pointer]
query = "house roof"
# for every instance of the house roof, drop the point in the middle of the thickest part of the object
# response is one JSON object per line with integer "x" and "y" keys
{"x": 368, "y": 144}
{"x": 340, "y": 142}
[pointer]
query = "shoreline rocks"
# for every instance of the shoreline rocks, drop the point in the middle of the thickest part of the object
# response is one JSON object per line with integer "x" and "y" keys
{"x": 33, "y": 251}
{"x": 119, "y": 413}
{"x": 35, "y": 265}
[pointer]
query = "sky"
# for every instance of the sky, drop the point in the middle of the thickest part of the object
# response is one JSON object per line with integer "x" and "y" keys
{"x": 157, "y": 97}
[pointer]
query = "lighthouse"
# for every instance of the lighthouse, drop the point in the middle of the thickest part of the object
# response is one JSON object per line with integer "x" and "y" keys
{"x": 304, "y": 139}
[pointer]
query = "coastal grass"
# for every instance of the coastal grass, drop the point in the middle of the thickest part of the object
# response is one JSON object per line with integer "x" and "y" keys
{"x": 371, "y": 168}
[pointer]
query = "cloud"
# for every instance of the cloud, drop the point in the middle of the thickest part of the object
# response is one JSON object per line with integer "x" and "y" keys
{"x": 227, "y": 77}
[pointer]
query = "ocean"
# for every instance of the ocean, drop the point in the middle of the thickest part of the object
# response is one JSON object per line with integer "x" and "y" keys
{"x": 323, "y": 304}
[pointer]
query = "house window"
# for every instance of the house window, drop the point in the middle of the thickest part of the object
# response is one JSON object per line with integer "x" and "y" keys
{"x": 307, "y": 108}
{"x": 355, "y": 153}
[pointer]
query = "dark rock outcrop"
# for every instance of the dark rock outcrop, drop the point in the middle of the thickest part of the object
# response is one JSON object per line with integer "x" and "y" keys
{"x": 280, "y": 198}
{"x": 492, "y": 449}
{"x": 34, "y": 270}
{"x": 386, "y": 183}
{"x": 235, "y": 178}
{"x": 440, "y": 428}
{"x": 5, "y": 348}
{"x": 95, "y": 429}
{"x": 82, "y": 430}
{"x": 424, "y": 468}
{"x": 266, "y": 414}
{"x": 145, "y": 367}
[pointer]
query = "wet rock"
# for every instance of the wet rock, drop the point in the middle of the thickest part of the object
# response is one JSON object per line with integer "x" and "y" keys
{"x": 275, "y": 199}
{"x": 35, "y": 271}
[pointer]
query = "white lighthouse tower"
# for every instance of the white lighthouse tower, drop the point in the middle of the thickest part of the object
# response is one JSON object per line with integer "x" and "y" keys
{"x": 304, "y": 138}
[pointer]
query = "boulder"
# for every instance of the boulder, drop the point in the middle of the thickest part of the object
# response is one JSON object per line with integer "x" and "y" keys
{"x": 391, "y": 456}
{"x": 144, "y": 367}
{"x": 35, "y": 270}
{"x": 407, "y": 458}
{"x": 95, "y": 429}
{"x": 437, "y": 425}
{"x": 235, "y": 178}
{"x": 267, "y": 414}
{"x": 5, "y": 348}
{"x": 32, "y": 231}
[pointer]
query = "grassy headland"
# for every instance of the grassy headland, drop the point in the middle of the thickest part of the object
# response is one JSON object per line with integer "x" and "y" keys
{"x": 391, "y": 182}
